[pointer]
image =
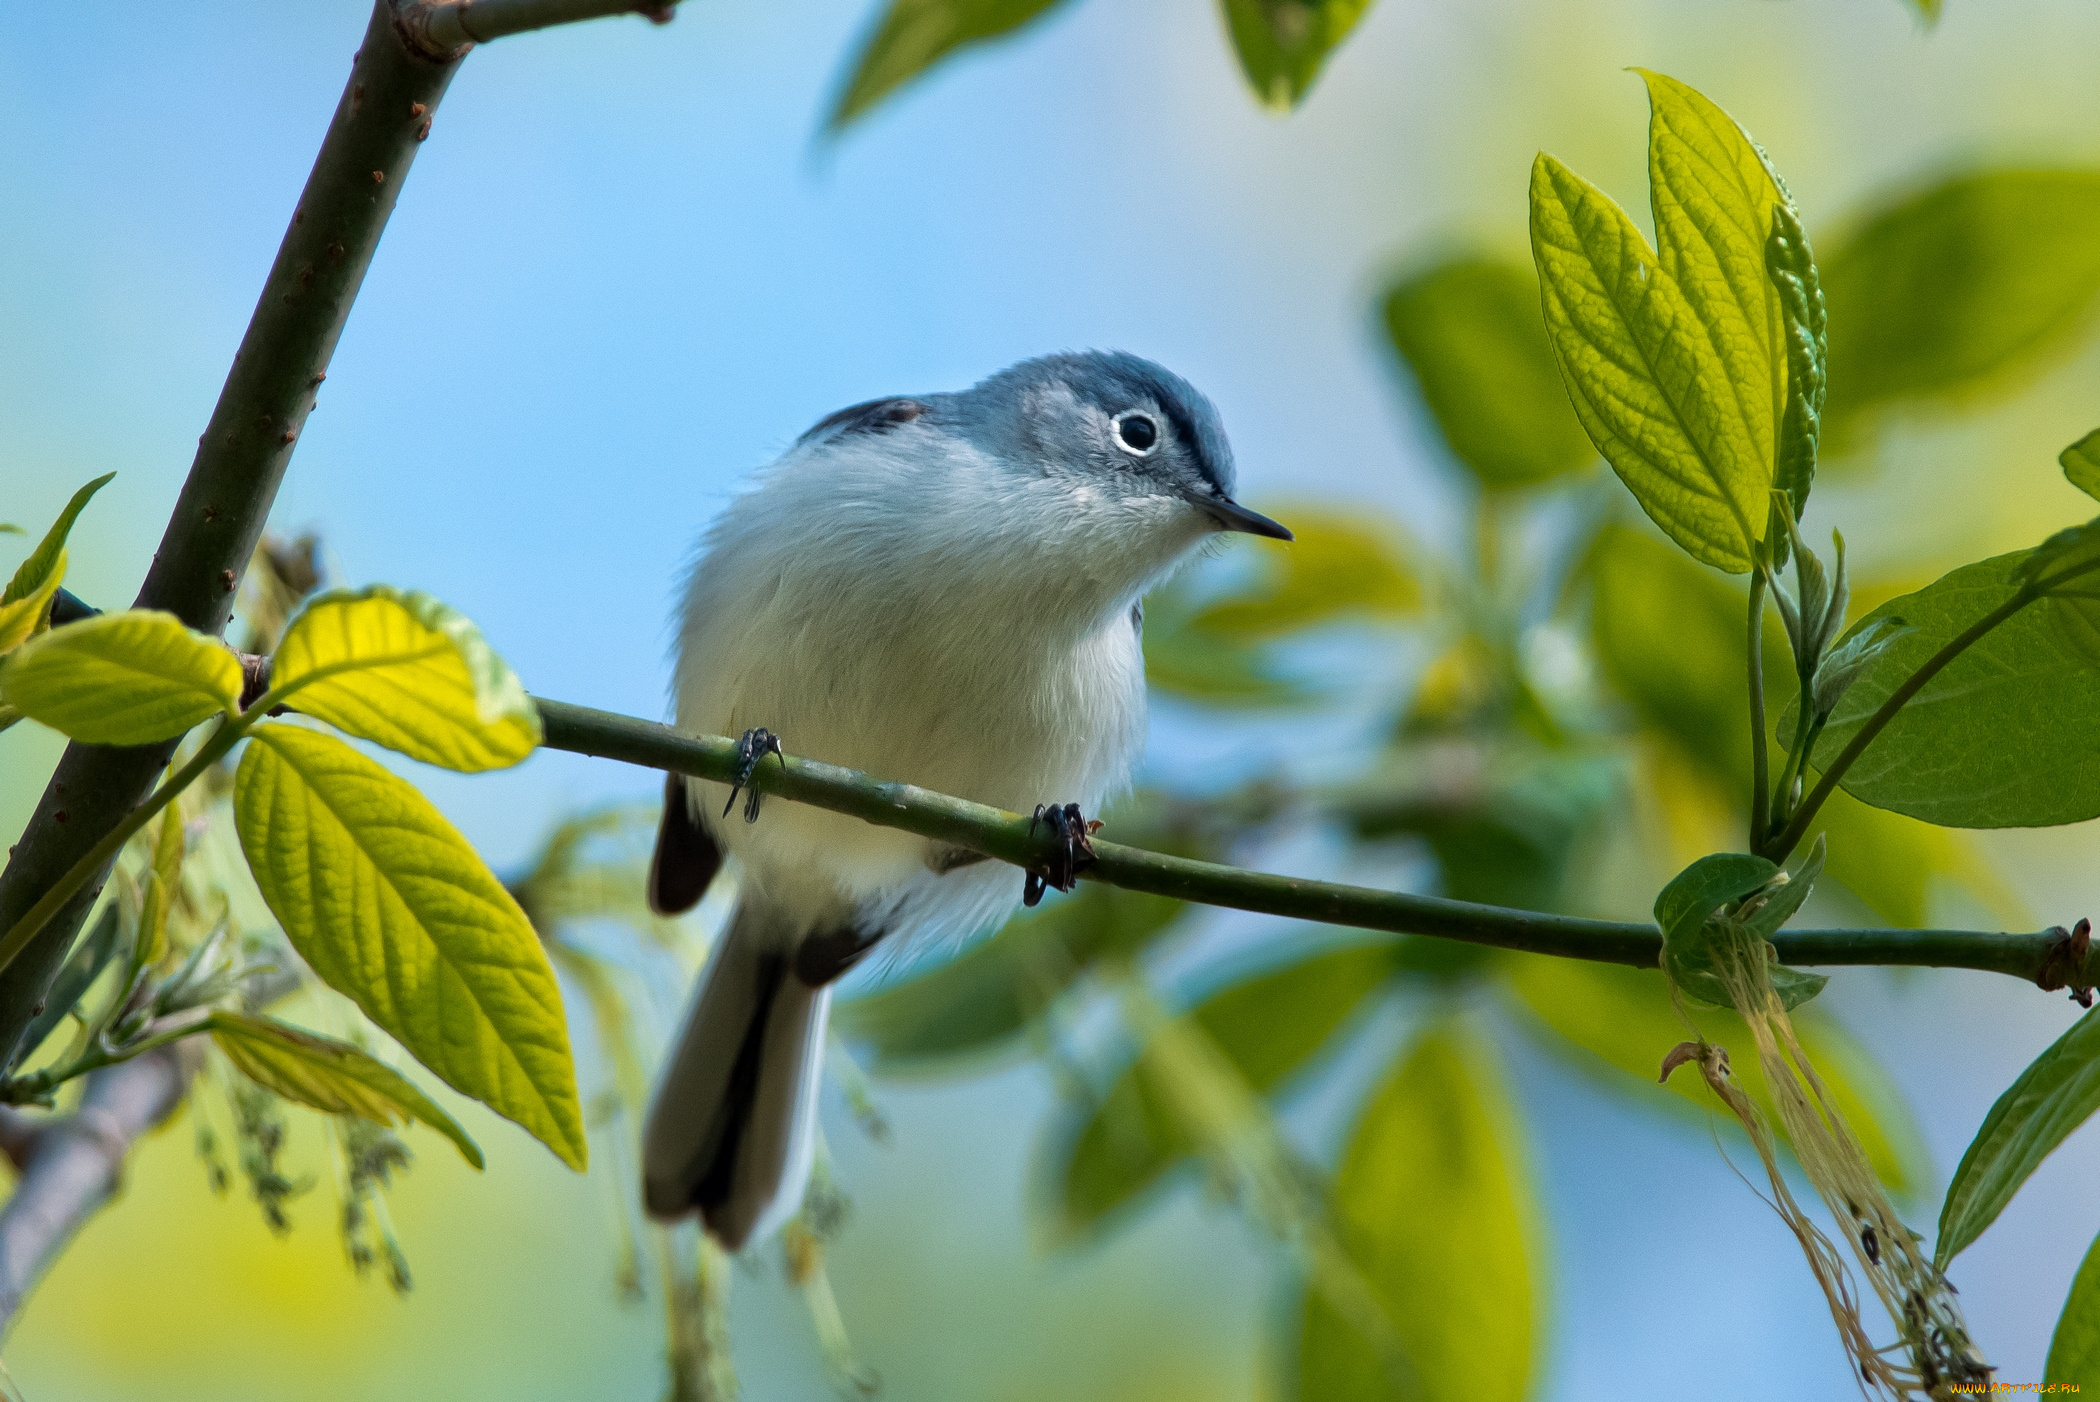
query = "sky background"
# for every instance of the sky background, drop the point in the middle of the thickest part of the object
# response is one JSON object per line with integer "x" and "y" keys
{"x": 625, "y": 271}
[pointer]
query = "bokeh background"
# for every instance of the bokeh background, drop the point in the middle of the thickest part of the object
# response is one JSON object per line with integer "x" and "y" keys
{"x": 627, "y": 269}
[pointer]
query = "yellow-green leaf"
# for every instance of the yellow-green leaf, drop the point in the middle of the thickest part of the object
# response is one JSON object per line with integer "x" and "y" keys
{"x": 1283, "y": 44}
{"x": 122, "y": 678}
{"x": 914, "y": 35}
{"x": 331, "y": 1076}
{"x": 1470, "y": 330}
{"x": 27, "y": 598}
{"x": 390, "y": 906}
{"x": 2081, "y": 463}
{"x": 1621, "y": 1018}
{"x": 1339, "y": 567}
{"x": 1650, "y": 385}
{"x": 1433, "y": 1204}
{"x": 405, "y": 671}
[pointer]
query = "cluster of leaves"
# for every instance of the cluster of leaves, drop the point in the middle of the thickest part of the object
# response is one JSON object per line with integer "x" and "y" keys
{"x": 1595, "y": 671}
{"x": 373, "y": 894}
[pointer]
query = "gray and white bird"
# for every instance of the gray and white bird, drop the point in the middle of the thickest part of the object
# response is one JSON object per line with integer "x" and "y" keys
{"x": 942, "y": 590}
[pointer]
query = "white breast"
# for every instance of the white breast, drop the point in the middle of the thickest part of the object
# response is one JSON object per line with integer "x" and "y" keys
{"x": 914, "y": 619}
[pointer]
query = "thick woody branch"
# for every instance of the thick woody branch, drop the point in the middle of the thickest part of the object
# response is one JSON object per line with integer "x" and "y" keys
{"x": 2052, "y": 958}
{"x": 69, "y": 1165}
{"x": 383, "y": 116}
{"x": 443, "y": 28}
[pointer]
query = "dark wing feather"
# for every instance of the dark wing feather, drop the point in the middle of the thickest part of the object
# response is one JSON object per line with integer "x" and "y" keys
{"x": 686, "y": 858}
{"x": 875, "y": 416}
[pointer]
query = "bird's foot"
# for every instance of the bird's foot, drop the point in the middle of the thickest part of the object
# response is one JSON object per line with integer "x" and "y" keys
{"x": 1072, "y": 854}
{"x": 750, "y": 750}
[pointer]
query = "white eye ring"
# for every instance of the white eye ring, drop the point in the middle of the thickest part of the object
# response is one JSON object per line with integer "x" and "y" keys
{"x": 1136, "y": 432}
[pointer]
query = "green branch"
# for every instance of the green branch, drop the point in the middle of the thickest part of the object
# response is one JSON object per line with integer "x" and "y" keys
{"x": 1007, "y": 836}
{"x": 1760, "y": 756}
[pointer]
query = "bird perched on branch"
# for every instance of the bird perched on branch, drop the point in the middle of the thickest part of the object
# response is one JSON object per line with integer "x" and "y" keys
{"x": 942, "y": 590}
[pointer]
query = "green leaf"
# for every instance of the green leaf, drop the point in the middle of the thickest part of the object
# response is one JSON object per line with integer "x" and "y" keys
{"x": 2074, "y": 1351}
{"x": 27, "y": 598}
{"x": 1645, "y": 375}
{"x": 1339, "y": 567}
{"x": 1433, "y": 1204}
{"x": 409, "y": 673}
{"x": 122, "y": 678}
{"x": 2002, "y": 736}
{"x": 2081, "y": 463}
{"x": 1283, "y": 44}
{"x": 1689, "y": 912}
{"x": 981, "y": 1001}
{"x": 1469, "y": 328}
{"x": 2056, "y": 1094}
{"x": 1107, "y": 1153}
{"x": 330, "y": 1076}
{"x": 914, "y": 35}
{"x": 1618, "y": 1024}
{"x": 1791, "y": 267}
{"x": 390, "y": 906}
{"x": 1962, "y": 290}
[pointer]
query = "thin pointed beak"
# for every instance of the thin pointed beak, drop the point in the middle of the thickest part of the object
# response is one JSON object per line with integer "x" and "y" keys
{"x": 1234, "y": 517}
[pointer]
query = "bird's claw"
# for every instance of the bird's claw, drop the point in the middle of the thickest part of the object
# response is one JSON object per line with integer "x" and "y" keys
{"x": 1072, "y": 854}
{"x": 750, "y": 751}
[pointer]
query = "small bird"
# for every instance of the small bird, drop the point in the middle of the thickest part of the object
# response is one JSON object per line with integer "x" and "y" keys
{"x": 943, "y": 590}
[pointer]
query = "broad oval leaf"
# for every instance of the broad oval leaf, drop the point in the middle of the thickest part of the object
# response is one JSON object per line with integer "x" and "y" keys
{"x": 1644, "y": 374}
{"x": 405, "y": 671}
{"x": 1109, "y": 1152}
{"x": 1433, "y": 1205}
{"x": 1687, "y": 904}
{"x": 1618, "y": 1022}
{"x": 122, "y": 678}
{"x": 1470, "y": 330}
{"x": 391, "y": 907}
{"x": 2081, "y": 464}
{"x": 2056, "y": 1094}
{"x": 331, "y": 1076}
{"x": 1951, "y": 292}
{"x": 27, "y": 598}
{"x": 2001, "y": 737}
{"x": 914, "y": 35}
{"x": 1283, "y": 44}
{"x": 2074, "y": 1350}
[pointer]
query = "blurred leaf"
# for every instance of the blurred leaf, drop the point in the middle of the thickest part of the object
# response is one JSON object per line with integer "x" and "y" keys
{"x": 1621, "y": 1018}
{"x": 1433, "y": 1204}
{"x": 987, "y": 996}
{"x": 2056, "y": 1094}
{"x": 27, "y": 598}
{"x": 1672, "y": 640}
{"x": 82, "y": 967}
{"x": 1504, "y": 825}
{"x": 409, "y": 673}
{"x": 1108, "y": 1153}
{"x": 390, "y": 906}
{"x": 914, "y": 35}
{"x": 1470, "y": 329}
{"x": 1647, "y": 340}
{"x": 1338, "y": 569}
{"x": 159, "y": 888}
{"x": 1891, "y": 862}
{"x": 2001, "y": 737}
{"x": 330, "y": 1076}
{"x": 2074, "y": 1351}
{"x": 122, "y": 678}
{"x": 1961, "y": 290}
{"x": 2081, "y": 463}
{"x": 1283, "y": 44}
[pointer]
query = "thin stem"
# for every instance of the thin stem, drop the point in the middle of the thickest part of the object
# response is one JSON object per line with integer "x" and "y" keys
{"x": 1008, "y": 837}
{"x": 1797, "y": 826}
{"x": 1760, "y": 760}
{"x": 231, "y": 728}
{"x": 443, "y": 26}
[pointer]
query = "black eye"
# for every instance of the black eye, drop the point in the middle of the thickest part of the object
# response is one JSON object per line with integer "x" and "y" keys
{"x": 1134, "y": 432}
